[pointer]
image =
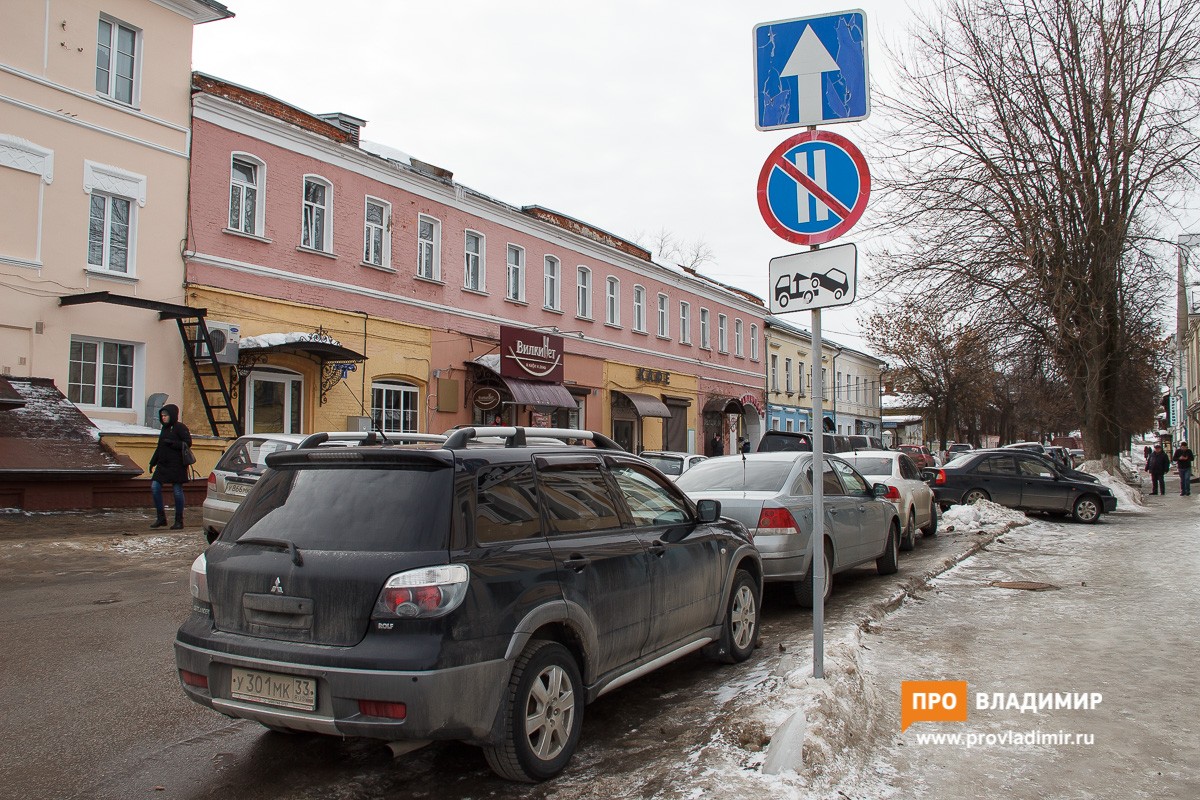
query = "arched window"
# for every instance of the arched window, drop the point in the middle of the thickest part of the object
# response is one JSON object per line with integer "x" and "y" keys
{"x": 394, "y": 406}
{"x": 247, "y": 179}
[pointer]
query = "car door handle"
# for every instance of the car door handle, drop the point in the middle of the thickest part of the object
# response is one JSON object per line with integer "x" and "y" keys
{"x": 577, "y": 562}
{"x": 657, "y": 548}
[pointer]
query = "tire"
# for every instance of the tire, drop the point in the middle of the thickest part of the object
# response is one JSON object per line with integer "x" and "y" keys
{"x": 782, "y": 300}
{"x": 975, "y": 495}
{"x": 802, "y": 590}
{"x": 908, "y": 538}
{"x": 1087, "y": 509}
{"x": 837, "y": 294}
{"x": 545, "y": 694}
{"x": 931, "y": 528}
{"x": 889, "y": 562}
{"x": 816, "y": 283}
{"x": 739, "y": 634}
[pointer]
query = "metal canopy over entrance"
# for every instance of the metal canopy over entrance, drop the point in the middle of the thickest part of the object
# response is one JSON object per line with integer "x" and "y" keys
{"x": 647, "y": 405}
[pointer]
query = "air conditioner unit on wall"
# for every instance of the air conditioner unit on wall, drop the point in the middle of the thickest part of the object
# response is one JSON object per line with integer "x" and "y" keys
{"x": 225, "y": 339}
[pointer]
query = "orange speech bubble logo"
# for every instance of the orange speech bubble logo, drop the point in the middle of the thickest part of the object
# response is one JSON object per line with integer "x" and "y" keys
{"x": 932, "y": 701}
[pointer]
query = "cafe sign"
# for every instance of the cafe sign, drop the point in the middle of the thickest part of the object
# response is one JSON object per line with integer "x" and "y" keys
{"x": 531, "y": 355}
{"x": 486, "y": 398}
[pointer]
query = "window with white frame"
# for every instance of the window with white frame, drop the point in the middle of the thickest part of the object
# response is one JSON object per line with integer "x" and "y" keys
{"x": 685, "y": 322}
{"x": 377, "y": 247}
{"x": 394, "y": 406}
{"x": 791, "y": 425}
{"x": 429, "y": 248}
{"x": 754, "y": 343}
{"x": 787, "y": 375}
{"x": 551, "y": 284}
{"x": 100, "y": 373}
{"x": 110, "y": 233}
{"x": 245, "y": 190}
{"x": 583, "y": 292}
{"x": 516, "y": 273}
{"x": 774, "y": 373}
{"x": 664, "y": 316}
{"x": 612, "y": 301}
{"x": 705, "y": 333}
{"x": 837, "y": 387}
{"x": 800, "y": 377}
{"x": 116, "y": 60}
{"x": 317, "y": 233}
{"x": 639, "y": 308}
{"x": 737, "y": 338}
{"x": 722, "y": 333}
{"x": 474, "y": 262}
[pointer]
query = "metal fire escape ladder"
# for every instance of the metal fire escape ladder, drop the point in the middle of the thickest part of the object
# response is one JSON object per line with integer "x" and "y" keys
{"x": 210, "y": 380}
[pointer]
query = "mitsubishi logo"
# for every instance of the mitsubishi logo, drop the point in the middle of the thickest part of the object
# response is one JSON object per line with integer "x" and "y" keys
{"x": 277, "y": 588}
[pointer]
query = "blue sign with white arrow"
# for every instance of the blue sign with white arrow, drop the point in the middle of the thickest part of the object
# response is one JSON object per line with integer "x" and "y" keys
{"x": 811, "y": 71}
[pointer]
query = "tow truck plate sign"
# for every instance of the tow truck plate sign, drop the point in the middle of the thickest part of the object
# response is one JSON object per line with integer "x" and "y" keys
{"x": 814, "y": 279}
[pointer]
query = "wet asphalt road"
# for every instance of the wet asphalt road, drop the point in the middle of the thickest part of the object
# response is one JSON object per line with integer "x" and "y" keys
{"x": 92, "y": 706}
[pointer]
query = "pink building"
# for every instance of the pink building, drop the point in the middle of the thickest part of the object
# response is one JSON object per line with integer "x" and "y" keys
{"x": 298, "y": 226}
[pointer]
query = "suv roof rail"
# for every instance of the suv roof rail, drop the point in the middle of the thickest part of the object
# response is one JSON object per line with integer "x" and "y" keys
{"x": 518, "y": 436}
{"x": 368, "y": 438}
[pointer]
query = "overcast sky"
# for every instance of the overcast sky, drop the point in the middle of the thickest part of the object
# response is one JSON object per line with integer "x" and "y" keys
{"x": 633, "y": 116}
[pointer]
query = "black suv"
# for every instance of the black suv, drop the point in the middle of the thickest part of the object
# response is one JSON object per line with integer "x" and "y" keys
{"x": 469, "y": 590}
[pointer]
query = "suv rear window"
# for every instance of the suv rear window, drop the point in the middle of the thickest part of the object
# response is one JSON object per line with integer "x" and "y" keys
{"x": 397, "y": 508}
{"x": 735, "y": 475}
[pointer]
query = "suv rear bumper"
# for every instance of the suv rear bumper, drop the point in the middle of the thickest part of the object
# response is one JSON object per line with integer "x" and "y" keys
{"x": 452, "y": 703}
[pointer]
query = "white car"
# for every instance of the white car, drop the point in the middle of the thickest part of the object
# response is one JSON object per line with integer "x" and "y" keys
{"x": 908, "y": 492}
{"x": 671, "y": 463}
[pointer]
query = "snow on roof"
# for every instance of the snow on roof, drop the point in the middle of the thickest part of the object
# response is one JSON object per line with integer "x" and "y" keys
{"x": 273, "y": 339}
{"x": 123, "y": 428}
{"x": 386, "y": 151}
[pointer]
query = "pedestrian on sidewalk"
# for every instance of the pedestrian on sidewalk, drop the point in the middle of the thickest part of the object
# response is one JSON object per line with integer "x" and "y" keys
{"x": 1157, "y": 465}
{"x": 168, "y": 464}
{"x": 1183, "y": 460}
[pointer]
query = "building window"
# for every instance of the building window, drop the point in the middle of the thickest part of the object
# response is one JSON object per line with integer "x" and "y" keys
{"x": 856, "y": 388}
{"x": 790, "y": 425}
{"x": 685, "y": 322}
{"x": 100, "y": 373}
{"x": 245, "y": 189}
{"x": 516, "y": 273}
{"x": 553, "y": 302}
{"x": 429, "y": 248}
{"x": 774, "y": 373}
{"x": 318, "y": 214}
{"x": 837, "y": 387}
{"x": 705, "y": 334}
{"x": 394, "y": 406}
{"x": 116, "y": 60}
{"x": 754, "y": 343}
{"x": 722, "y": 333}
{"x": 664, "y": 316}
{"x": 800, "y": 377}
{"x": 377, "y": 248}
{"x": 473, "y": 261}
{"x": 109, "y": 229}
{"x": 787, "y": 374}
{"x": 612, "y": 301}
{"x": 639, "y": 308}
{"x": 583, "y": 292}
{"x": 737, "y": 338}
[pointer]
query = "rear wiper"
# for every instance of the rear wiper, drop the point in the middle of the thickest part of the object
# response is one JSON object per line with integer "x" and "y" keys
{"x": 290, "y": 545}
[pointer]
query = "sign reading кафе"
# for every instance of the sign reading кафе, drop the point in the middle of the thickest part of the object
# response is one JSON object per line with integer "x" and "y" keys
{"x": 531, "y": 355}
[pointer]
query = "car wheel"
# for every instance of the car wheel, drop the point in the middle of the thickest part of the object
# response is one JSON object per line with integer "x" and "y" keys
{"x": 740, "y": 632}
{"x": 889, "y": 562}
{"x": 782, "y": 300}
{"x": 541, "y": 717}
{"x": 816, "y": 282}
{"x": 837, "y": 294}
{"x": 1087, "y": 509}
{"x": 931, "y": 528}
{"x": 974, "y": 496}
{"x": 802, "y": 590}
{"x": 910, "y": 531}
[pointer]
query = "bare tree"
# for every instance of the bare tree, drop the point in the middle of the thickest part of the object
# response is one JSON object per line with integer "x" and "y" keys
{"x": 1037, "y": 142}
{"x": 667, "y": 247}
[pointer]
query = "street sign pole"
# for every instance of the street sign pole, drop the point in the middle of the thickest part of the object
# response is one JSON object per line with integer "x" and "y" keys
{"x": 817, "y": 544}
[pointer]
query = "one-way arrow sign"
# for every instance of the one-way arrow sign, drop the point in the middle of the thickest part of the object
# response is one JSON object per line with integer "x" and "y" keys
{"x": 811, "y": 71}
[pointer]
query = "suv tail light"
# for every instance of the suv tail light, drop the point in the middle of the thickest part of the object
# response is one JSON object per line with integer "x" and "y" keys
{"x": 940, "y": 478}
{"x": 775, "y": 522}
{"x": 198, "y": 579}
{"x": 423, "y": 593}
{"x": 212, "y": 480}
{"x": 892, "y": 494}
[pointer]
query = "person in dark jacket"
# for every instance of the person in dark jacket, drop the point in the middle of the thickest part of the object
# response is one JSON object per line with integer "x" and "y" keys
{"x": 1157, "y": 465}
{"x": 167, "y": 464}
{"x": 1183, "y": 460}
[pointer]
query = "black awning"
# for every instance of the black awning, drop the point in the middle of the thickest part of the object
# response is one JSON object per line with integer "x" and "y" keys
{"x": 647, "y": 405}
{"x": 530, "y": 393}
{"x": 322, "y": 351}
{"x": 722, "y": 404}
{"x": 165, "y": 310}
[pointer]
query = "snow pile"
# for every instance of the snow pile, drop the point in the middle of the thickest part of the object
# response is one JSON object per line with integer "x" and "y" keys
{"x": 275, "y": 339}
{"x": 981, "y": 516}
{"x": 1129, "y": 496}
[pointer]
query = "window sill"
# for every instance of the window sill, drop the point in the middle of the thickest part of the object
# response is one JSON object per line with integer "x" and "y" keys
{"x": 434, "y": 281}
{"x": 480, "y": 292}
{"x": 614, "y": 326}
{"x": 378, "y": 267}
{"x": 584, "y": 319}
{"x": 660, "y": 337}
{"x": 641, "y": 333}
{"x": 685, "y": 344}
{"x": 301, "y": 248}
{"x": 20, "y": 262}
{"x": 244, "y": 235}
{"x": 515, "y": 301}
{"x": 119, "y": 277}
{"x": 552, "y": 310}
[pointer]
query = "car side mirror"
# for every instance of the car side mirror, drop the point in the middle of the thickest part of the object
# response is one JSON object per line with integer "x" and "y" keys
{"x": 708, "y": 511}
{"x": 879, "y": 490}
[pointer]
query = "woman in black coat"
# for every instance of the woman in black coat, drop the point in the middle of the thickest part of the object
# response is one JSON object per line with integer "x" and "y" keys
{"x": 167, "y": 464}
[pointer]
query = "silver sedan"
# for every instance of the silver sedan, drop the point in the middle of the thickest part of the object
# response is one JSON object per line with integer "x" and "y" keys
{"x": 771, "y": 494}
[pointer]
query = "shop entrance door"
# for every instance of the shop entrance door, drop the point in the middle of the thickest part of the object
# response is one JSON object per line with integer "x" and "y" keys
{"x": 623, "y": 434}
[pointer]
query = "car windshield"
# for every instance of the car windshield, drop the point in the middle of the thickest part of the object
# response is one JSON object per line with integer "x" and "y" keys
{"x": 735, "y": 475}
{"x": 668, "y": 465}
{"x": 871, "y": 466}
{"x": 249, "y": 454}
{"x": 394, "y": 508}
